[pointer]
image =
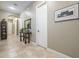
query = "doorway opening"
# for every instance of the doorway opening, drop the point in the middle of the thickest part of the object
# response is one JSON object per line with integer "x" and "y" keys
{"x": 12, "y": 25}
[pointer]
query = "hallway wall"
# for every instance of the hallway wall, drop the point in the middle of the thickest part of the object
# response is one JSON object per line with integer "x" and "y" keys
{"x": 63, "y": 36}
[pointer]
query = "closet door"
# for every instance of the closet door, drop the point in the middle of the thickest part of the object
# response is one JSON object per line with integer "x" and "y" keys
{"x": 41, "y": 25}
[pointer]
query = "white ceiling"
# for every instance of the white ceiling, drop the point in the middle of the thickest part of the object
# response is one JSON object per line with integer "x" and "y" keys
{"x": 19, "y": 6}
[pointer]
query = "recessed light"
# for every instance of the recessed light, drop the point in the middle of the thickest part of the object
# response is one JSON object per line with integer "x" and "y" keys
{"x": 15, "y": 4}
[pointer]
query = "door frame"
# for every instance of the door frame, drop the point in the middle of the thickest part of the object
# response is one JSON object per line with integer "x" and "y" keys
{"x": 39, "y": 5}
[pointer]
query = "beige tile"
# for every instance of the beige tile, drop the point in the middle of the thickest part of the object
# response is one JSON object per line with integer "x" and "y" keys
{"x": 13, "y": 48}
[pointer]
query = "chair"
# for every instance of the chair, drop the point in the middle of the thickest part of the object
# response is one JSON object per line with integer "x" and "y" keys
{"x": 26, "y": 36}
{"x": 21, "y": 34}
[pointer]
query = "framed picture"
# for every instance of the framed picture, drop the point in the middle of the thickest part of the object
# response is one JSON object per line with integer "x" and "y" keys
{"x": 67, "y": 13}
{"x": 26, "y": 22}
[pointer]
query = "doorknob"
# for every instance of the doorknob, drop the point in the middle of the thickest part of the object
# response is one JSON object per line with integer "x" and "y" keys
{"x": 38, "y": 30}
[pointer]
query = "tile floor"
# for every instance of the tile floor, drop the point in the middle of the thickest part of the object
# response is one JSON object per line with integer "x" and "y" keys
{"x": 13, "y": 48}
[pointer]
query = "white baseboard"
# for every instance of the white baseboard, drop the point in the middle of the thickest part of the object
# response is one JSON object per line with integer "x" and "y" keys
{"x": 58, "y": 53}
{"x": 34, "y": 43}
{"x": 61, "y": 55}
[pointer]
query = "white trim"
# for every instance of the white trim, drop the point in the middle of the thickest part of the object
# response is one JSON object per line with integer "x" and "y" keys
{"x": 60, "y": 54}
{"x": 34, "y": 43}
{"x": 40, "y": 4}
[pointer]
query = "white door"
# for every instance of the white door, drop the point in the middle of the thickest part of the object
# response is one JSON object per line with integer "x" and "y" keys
{"x": 41, "y": 25}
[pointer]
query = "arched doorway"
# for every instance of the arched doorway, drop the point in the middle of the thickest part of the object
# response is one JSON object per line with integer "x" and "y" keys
{"x": 12, "y": 25}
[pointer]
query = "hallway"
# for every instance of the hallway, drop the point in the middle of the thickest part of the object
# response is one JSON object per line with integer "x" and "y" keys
{"x": 51, "y": 26}
{"x": 13, "y": 48}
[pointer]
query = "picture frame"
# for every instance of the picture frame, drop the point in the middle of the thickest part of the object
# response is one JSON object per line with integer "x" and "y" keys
{"x": 67, "y": 13}
{"x": 26, "y": 22}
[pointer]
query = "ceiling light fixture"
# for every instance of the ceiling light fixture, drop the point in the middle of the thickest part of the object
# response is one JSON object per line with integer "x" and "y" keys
{"x": 12, "y": 8}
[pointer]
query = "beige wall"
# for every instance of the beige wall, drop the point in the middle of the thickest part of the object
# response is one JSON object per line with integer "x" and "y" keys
{"x": 63, "y": 36}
